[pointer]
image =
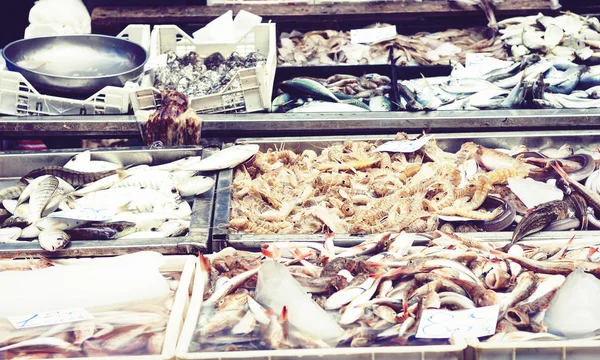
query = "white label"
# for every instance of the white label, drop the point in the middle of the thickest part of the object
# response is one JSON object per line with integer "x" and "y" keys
{"x": 404, "y": 146}
{"x": 155, "y": 62}
{"x": 444, "y": 324}
{"x": 374, "y": 35}
{"x": 50, "y": 318}
{"x": 85, "y": 214}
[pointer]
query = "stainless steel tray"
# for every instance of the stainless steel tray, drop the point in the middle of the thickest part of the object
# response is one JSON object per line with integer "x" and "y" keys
{"x": 535, "y": 140}
{"x": 14, "y": 164}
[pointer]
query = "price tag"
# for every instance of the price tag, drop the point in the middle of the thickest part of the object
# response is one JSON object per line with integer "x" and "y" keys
{"x": 444, "y": 324}
{"x": 404, "y": 146}
{"x": 84, "y": 214}
{"x": 50, "y": 318}
{"x": 373, "y": 35}
{"x": 155, "y": 62}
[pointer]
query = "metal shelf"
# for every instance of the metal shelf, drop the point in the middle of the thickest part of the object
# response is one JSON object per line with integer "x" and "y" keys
{"x": 236, "y": 125}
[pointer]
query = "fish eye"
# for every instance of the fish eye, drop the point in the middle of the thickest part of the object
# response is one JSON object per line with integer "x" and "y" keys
{"x": 153, "y": 229}
{"x": 174, "y": 190}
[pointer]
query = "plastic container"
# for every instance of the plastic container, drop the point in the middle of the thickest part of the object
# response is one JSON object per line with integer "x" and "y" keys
{"x": 256, "y": 83}
{"x": 19, "y": 97}
{"x": 178, "y": 263}
{"x": 440, "y": 352}
{"x": 534, "y": 350}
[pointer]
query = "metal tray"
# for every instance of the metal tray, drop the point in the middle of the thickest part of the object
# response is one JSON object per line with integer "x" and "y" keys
{"x": 15, "y": 164}
{"x": 535, "y": 140}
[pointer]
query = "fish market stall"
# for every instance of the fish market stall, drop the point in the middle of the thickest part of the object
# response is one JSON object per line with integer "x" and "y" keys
{"x": 384, "y": 296}
{"x": 82, "y": 318}
{"x": 105, "y": 202}
{"x": 355, "y": 185}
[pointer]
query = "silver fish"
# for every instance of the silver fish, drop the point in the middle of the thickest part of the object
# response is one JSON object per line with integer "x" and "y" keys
{"x": 41, "y": 195}
{"x": 53, "y": 240}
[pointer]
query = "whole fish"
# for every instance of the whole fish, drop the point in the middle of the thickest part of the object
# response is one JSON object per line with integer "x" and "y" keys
{"x": 96, "y": 233}
{"x": 53, "y": 240}
{"x": 194, "y": 186}
{"x": 12, "y": 192}
{"x": 227, "y": 158}
{"x": 380, "y": 103}
{"x": 539, "y": 217}
{"x": 122, "y": 228}
{"x": 301, "y": 87}
{"x": 74, "y": 178}
{"x": 317, "y": 106}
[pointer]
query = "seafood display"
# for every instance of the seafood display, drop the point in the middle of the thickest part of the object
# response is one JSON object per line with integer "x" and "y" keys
{"x": 413, "y": 185}
{"x": 121, "y": 330}
{"x": 195, "y": 76}
{"x": 374, "y": 294}
{"x": 534, "y": 82}
{"x": 337, "y": 93}
{"x": 330, "y": 47}
{"x": 89, "y": 199}
{"x": 569, "y": 37}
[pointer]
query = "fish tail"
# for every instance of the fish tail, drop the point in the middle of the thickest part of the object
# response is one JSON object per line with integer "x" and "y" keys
{"x": 204, "y": 262}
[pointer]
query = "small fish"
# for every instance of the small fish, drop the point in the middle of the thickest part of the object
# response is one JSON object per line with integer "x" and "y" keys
{"x": 308, "y": 88}
{"x": 53, "y": 240}
{"x": 245, "y": 326}
{"x": 83, "y": 162}
{"x": 281, "y": 101}
{"x": 174, "y": 228}
{"x": 538, "y": 218}
{"x": 227, "y": 158}
{"x": 97, "y": 233}
{"x": 12, "y": 192}
{"x": 41, "y": 195}
{"x": 122, "y": 228}
{"x": 74, "y": 178}
{"x": 195, "y": 185}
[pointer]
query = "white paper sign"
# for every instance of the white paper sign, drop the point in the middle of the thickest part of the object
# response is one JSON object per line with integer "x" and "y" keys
{"x": 156, "y": 62}
{"x": 404, "y": 146}
{"x": 373, "y": 35}
{"x": 50, "y": 318}
{"x": 85, "y": 214}
{"x": 444, "y": 324}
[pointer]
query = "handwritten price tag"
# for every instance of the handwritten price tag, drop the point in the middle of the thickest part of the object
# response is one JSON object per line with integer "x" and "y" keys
{"x": 404, "y": 146}
{"x": 373, "y": 35}
{"x": 50, "y": 318}
{"x": 443, "y": 324}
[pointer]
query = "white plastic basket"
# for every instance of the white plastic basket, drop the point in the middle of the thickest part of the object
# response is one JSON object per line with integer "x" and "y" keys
{"x": 438, "y": 352}
{"x": 256, "y": 83}
{"x": 19, "y": 97}
{"x": 185, "y": 264}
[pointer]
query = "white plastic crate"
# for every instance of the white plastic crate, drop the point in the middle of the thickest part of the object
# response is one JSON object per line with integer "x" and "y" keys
{"x": 438, "y": 352}
{"x": 19, "y": 97}
{"x": 256, "y": 83}
{"x": 186, "y": 264}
